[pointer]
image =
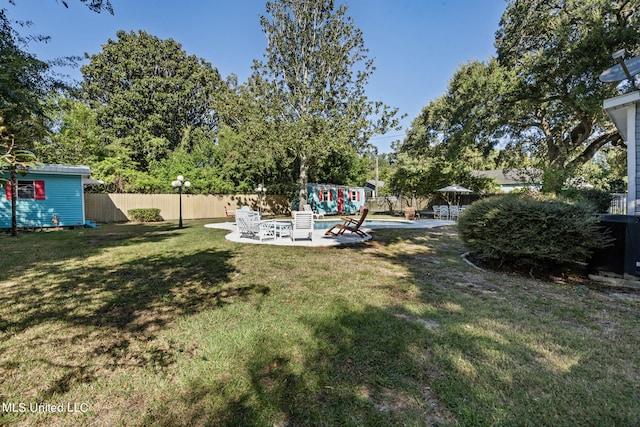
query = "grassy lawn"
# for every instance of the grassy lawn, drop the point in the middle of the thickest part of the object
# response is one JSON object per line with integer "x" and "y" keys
{"x": 150, "y": 325}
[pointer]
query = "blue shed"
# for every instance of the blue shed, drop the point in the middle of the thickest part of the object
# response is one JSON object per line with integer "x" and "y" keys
{"x": 332, "y": 199}
{"x": 47, "y": 196}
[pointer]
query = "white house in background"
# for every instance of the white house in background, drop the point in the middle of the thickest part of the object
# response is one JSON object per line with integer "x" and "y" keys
{"x": 372, "y": 187}
{"x": 508, "y": 181}
{"x": 518, "y": 179}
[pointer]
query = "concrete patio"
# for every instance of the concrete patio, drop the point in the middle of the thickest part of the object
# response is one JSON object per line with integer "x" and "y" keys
{"x": 320, "y": 239}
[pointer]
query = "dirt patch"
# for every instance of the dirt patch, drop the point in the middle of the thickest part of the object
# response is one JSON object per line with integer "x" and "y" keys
{"x": 623, "y": 294}
{"x": 427, "y": 324}
{"x": 576, "y": 276}
{"x": 434, "y": 414}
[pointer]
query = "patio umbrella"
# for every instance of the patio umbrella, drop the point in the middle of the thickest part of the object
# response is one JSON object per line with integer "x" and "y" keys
{"x": 455, "y": 189}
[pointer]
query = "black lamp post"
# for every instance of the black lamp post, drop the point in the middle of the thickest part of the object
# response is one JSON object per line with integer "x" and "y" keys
{"x": 179, "y": 183}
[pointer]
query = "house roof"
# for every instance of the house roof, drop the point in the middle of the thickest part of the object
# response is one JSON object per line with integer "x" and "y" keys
{"x": 372, "y": 183}
{"x": 50, "y": 168}
{"x": 55, "y": 169}
{"x": 330, "y": 186}
{"x": 62, "y": 169}
{"x": 89, "y": 181}
{"x": 617, "y": 110}
{"x": 525, "y": 177}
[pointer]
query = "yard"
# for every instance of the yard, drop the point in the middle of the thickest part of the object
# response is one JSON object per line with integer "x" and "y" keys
{"x": 151, "y": 325}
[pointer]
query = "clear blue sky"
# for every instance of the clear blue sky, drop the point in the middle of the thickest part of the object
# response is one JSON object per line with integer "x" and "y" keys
{"x": 417, "y": 44}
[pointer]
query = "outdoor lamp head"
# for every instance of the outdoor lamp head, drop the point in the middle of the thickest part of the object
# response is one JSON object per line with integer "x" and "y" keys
{"x": 187, "y": 184}
{"x": 180, "y": 178}
{"x": 176, "y": 184}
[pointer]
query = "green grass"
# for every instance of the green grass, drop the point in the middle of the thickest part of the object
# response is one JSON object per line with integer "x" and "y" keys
{"x": 150, "y": 325}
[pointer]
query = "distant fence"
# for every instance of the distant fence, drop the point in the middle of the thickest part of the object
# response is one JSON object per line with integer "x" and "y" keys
{"x": 114, "y": 207}
{"x": 398, "y": 203}
{"x": 618, "y": 204}
{"x": 377, "y": 204}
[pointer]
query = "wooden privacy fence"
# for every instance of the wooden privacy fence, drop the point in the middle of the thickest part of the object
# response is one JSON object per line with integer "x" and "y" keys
{"x": 114, "y": 207}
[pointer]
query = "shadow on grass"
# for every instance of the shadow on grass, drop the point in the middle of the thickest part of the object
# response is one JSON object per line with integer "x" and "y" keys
{"x": 33, "y": 250}
{"x": 358, "y": 368}
{"x": 135, "y": 295}
{"x": 496, "y": 350}
{"x": 492, "y": 352}
{"x": 109, "y": 314}
{"x": 516, "y": 351}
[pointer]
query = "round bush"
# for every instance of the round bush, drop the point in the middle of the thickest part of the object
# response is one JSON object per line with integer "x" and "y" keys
{"x": 527, "y": 231}
{"x": 145, "y": 215}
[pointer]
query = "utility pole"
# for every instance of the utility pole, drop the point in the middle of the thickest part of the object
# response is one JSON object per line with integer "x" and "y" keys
{"x": 377, "y": 176}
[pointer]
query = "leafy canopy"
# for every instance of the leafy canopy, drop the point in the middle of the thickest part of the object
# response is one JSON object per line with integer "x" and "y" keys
{"x": 24, "y": 82}
{"x": 541, "y": 97}
{"x": 314, "y": 78}
{"x": 148, "y": 93}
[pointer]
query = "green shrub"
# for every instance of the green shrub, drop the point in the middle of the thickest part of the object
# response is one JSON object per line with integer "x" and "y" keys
{"x": 145, "y": 215}
{"x": 523, "y": 231}
{"x": 600, "y": 199}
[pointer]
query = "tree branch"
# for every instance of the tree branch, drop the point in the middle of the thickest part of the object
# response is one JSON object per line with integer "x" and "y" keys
{"x": 587, "y": 154}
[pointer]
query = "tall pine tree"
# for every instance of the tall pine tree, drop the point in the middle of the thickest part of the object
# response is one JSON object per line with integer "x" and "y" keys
{"x": 316, "y": 70}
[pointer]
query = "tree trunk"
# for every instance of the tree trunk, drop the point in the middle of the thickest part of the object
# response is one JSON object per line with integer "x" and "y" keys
{"x": 303, "y": 179}
{"x": 14, "y": 193}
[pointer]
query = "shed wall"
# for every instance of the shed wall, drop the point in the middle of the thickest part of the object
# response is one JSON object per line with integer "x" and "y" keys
{"x": 334, "y": 204}
{"x": 63, "y": 197}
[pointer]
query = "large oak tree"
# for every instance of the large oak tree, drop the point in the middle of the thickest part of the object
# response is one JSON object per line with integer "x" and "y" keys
{"x": 541, "y": 97}
{"x": 148, "y": 94}
{"x": 24, "y": 82}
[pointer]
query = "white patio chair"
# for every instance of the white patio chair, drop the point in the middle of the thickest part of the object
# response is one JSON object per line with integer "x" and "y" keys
{"x": 454, "y": 212}
{"x": 302, "y": 225}
{"x": 248, "y": 223}
{"x": 307, "y": 208}
{"x": 443, "y": 212}
{"x": 267, "y": 230}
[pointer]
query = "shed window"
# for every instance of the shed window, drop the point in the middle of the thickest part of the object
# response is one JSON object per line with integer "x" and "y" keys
{"x": 325, "y": 195}
{"x": 27, "y": 190}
